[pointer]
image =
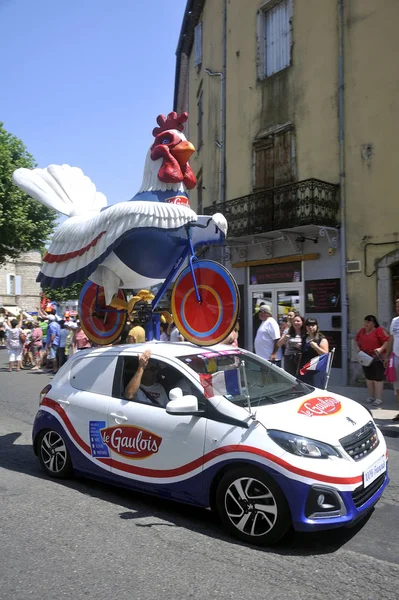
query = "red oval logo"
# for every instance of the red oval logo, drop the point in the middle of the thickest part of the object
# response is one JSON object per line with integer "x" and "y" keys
{"x": 320, "y": 407}
{"x": 130, "y": 441}
{"x": 183, "y": 200}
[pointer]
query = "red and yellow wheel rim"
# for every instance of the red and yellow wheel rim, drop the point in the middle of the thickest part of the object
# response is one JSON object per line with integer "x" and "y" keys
{"x": 211, "y": 320}
{"x": 101, "y": 326}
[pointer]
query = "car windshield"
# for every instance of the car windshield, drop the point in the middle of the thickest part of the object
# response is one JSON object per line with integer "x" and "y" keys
{"x": 235, "y": 374}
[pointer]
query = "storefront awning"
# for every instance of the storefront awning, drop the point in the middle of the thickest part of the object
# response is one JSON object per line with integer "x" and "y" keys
{"x": 13, "y": 310}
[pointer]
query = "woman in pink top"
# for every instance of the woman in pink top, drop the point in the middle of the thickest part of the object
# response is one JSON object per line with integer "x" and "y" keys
{"x": 80, "y": 340}
{"x": 36, "y": 346}
{"x": 372, "y": 339}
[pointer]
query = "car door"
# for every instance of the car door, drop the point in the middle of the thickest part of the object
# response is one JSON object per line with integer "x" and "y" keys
{"x": 156, "y": 451}
{"x": 84, "y": 393}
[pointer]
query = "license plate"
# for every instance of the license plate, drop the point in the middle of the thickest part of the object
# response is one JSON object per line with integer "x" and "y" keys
{"x": 374, "y": 471}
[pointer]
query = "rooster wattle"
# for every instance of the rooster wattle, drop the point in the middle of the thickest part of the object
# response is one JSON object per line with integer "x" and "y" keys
{"x": 129, "y": 245}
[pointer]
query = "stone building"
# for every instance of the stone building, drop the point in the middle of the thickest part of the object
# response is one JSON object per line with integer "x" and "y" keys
{"x": 293, "y": 109}
{"x": 18, "y": 286}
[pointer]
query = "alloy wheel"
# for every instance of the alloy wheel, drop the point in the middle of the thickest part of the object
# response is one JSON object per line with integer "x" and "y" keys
{"x": 250, "y": 506}
{"x": 54, "y": 452}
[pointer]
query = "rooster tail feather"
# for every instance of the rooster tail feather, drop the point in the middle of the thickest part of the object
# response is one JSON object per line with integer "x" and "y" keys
{"x": 61, "y": 187}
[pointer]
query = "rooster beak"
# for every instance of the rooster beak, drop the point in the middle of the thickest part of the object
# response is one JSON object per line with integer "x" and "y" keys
{"x": 182, "y": 152}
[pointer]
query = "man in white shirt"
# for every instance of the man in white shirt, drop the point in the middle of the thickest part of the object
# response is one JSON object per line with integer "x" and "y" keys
{"x": 393, "y": 346}
{"x": 267, "y": 336}
{"x": 144, "y": 386}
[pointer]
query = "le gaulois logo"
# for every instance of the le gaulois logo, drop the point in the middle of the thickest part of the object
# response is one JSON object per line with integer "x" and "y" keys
{"x": 130, "y": 441}
{"x": 320, "y": 407}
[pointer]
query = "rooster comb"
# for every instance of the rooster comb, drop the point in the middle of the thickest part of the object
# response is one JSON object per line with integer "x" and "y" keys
{"x": 172, "y": 121}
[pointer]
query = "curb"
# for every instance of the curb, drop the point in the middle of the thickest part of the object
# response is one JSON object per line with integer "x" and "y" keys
{"x": 388, "y": 430}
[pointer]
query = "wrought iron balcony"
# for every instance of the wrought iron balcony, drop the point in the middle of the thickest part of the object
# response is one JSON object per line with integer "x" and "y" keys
{"x": 307, "y": 202}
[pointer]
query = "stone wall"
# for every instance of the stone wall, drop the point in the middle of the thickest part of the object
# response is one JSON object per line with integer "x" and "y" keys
{"x": 26, "y": 267}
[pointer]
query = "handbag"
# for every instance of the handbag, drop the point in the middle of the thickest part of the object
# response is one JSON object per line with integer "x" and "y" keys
{"x": 390, "y": 371}
{"x": 364, "y": 359}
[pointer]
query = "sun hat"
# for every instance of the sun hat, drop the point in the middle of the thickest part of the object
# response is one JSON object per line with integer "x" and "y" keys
{"x": 265, "y": 308}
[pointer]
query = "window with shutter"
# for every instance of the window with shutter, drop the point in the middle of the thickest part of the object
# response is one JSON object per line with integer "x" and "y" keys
{"x": 274, "y": 37}
{"x": 198, "y": 45}
{"x": 10, "y": 284}
{"x": 273, "y": 159}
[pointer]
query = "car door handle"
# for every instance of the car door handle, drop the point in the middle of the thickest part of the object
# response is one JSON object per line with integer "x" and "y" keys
{"x": 64, "y": 402}
{"x": 116, "y": 416}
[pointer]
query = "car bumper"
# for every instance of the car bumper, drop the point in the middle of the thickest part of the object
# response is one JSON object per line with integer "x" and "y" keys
{"x": 347, "y": 507}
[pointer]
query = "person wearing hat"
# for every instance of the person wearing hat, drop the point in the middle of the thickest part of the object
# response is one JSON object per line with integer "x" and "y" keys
{"x": 52, "y": 342}
{"x": 268, "y": 336}
{"x": 70, "y": 326}
{"x": 136, "y": 335}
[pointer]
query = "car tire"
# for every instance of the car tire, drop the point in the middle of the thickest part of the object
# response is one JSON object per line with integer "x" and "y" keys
{"x": 54, "y": 455}
{"x": 261, "y": 523}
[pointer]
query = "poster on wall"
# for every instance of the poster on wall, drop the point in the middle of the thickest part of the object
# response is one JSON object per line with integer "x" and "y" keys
{"x": 323, "y": 296}
{"x": 335, "y": 341}
{"x": 289, "y": 272}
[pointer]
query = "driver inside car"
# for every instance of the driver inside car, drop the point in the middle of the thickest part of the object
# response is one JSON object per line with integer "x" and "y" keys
{"x": 144, "y": 385}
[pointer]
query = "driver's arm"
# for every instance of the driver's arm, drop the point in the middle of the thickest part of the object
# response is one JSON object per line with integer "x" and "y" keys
{"x": 134, "y": 384}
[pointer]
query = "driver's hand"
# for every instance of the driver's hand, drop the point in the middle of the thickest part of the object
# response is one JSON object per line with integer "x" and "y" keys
{"x": 144, "y": 358}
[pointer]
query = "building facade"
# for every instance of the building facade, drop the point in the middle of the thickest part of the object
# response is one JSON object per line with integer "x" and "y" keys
{"x": 18, "y": 286}
{"x": 293, "y": 109}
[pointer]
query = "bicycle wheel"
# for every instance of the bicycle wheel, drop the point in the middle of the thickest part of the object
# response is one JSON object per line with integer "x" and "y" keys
{"x": 100, "y": 326}
{"x": 213, "y": 318}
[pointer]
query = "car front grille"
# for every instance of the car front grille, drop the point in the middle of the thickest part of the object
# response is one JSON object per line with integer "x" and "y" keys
{"x": 361, "y": 494}
{"x": 362, "y": 442}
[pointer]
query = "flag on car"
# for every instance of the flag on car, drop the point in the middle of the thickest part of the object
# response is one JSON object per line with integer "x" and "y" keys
{"x": 318, "y": 363}
{"x": 221, "y": 383}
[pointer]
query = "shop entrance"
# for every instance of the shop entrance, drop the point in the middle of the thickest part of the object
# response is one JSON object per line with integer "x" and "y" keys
{"x": 282, "y": 298}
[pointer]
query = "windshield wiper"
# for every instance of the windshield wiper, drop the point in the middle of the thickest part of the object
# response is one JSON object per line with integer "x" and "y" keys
{"x": 263, "y": 397}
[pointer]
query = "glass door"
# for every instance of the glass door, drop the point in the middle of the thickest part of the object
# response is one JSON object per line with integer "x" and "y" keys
{"x": 287, "y": 301}
{"x": 282, "y": 299}
{"x": 258, "y": 298}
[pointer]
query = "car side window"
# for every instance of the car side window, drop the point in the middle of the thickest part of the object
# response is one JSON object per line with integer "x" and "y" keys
{"x": 168, "y": 377}
{"x": 147, "y": 394}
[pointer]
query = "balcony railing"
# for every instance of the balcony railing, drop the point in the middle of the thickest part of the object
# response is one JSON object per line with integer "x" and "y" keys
{"x": 307, "y": 202}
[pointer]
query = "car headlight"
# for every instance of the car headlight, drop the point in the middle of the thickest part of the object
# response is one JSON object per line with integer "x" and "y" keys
{"x": 302, "y": 446}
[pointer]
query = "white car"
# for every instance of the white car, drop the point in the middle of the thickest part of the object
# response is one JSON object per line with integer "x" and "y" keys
{"x": 237, "y": 434}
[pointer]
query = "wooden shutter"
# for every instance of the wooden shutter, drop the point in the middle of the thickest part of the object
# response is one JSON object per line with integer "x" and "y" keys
{"x": 18, "y": 288}
{"x": 283, "y": 157}
{"x": 264, "y": 164}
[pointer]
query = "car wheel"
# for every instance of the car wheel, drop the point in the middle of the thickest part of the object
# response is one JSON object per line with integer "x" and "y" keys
{"x": 53, "y": 454}
{"x": 252, "y": 506}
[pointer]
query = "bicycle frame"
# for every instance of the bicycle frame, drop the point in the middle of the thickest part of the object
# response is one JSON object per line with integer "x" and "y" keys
{"x": 188, "y": 250}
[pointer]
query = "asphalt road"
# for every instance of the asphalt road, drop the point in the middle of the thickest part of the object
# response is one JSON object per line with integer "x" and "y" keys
{"x": 85, "y": 540}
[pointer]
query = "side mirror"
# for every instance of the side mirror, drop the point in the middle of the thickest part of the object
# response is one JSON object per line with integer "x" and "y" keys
{"x": 183, "y": 405}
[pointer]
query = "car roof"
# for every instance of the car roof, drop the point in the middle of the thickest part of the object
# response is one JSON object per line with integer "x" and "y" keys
{"x": 158, "y": 349}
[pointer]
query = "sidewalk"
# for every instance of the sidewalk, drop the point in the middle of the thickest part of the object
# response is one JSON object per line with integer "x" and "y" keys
{"x": 382, "y": 416}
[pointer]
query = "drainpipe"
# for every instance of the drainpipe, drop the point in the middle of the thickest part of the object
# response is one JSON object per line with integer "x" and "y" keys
{"x": 221, "y": 143}
{"x": 341, "y": 126}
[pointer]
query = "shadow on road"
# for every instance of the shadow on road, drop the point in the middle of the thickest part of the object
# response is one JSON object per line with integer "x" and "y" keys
{"x": 21, "y": 459}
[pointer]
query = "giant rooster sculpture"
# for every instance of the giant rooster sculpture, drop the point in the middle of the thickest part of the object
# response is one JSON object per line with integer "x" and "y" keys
{"x": 135, "y": 244}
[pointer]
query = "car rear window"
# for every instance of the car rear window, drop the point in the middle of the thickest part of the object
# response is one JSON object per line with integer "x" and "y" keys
{"x": 93, "y": 374}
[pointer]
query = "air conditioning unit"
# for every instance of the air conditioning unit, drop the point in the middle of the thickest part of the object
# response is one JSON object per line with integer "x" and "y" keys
{"x": 353, "y": 266}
